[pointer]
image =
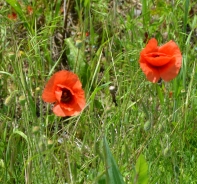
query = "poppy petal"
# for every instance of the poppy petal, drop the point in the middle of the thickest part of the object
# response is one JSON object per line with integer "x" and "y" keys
{"x": 58, "y": 95}
{"x": 77, "y": 85}
{"x": 57, "y": 109}
{"x": 48, "y": 94}
{"x": 53, "y": 92}
{"x": 158, "y": 61}
{"x": 81, "y": 100}
{"x": 66, "y": 78}
{"x": 65, "y": 87}
{"x": 150, "y": 47}
{"x": 78, "y": 94}
{"x": 60, "y": 111}
{"x": 72, "y": 105}
{"x": 151, "y": 73}
{"x": 171, "y": 70}
{"x": 170, "y": 49}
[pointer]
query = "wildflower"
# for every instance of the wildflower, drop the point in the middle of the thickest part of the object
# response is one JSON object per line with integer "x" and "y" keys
{"x": 78, "y": 43}
{"x": 29, "y": 10}
{"x": 61, "y": 9}
{"x": 35, "y": 129}
{"x": 65, "y": 89}
{"x": 22, "y": 99}
{"x": 147, "y": 126}
{"x": 10, "y": 99}
{"x": 87, "y": 33}
{"x": 170, "y": 94}
{"x": 12, "y": 16}
{"x": 167, "y": 151}
{"x": 160, "y": 62}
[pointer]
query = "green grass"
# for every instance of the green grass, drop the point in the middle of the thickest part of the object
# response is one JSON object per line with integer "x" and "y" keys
{"x": 38, "y": 147}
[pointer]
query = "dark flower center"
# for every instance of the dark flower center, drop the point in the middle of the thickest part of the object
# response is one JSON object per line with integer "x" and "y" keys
{"x": 66, "y": 96}
{"x": 155, "y": 55}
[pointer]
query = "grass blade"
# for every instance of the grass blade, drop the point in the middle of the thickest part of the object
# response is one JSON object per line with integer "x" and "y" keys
{"x": 76, "y": 60}
{"x": 145, "y": 13}
{"x": 16, "y": 6}
{"x": 113, "y": 174}
{"x": 186, "y": 16}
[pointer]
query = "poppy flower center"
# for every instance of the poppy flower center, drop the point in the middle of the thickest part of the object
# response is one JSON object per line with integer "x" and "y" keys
{"x": 155, "y": 55}
{"x": 66, "y": 96}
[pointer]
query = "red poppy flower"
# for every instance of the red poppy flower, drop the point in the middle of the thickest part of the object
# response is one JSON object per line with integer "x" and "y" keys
{"x": 87, "y": 33}
{"x": 12, "y": 16}
{"x": 160, "y": 62}
{"x": 170, "y": 94}
{"x": 29, "y": 10}
{"x": 65, "y": 89}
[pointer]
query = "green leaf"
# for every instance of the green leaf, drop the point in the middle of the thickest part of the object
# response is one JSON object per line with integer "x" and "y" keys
{"x": 6, "y": 73}
{"x": 21, "y": 134}
{"x": 102, "y": 180}
{"x": 112, "y": 172}
{"x": 76, "y": 60}
{"x": 141, "y": 171}
{"x": 186, "y": 16}
{"x": 86, "y": 2}
{"x": 93, "y": 94}
{"x": 145, "y": 13}
{"x": 16, "y": 6}
{"x": 57, "y": 7}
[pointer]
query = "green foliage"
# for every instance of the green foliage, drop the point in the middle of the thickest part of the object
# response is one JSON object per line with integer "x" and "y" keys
{"x": 102, "y": 45}
{"x": 112, "y": 172}
{"x": 76, "y": 60}
{"x": 141, "y": 168}
{"x": 186, "y": 12}
{"x": 16, "y": 6}
{"x": 145, "y": 13}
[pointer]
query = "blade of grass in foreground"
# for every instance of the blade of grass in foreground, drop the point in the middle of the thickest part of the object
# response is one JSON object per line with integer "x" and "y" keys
{"x": 113, "y": 174}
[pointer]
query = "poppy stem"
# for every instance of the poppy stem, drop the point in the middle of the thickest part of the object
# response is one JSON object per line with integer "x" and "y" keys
{"x": 160, "y": 82}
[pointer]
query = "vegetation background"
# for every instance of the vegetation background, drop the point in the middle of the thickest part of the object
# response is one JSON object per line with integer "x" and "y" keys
{"x": 138, "y": 132}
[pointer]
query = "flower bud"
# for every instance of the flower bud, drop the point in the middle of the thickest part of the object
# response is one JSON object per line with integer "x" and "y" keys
{"x": 35, "y": 129}
{"x": 147, "y": 125}
{"x": 8, "y": 101}
{"x": 22, "y": 99}
{"x": 38, "y": 89}
{"x": 49, "y": 142}
{"x": 78, "y": 43}
{"x": 160, "y": 128}
{"x": 166, "y": 152}
{"x": 113, "y": 91}
{"x": 2, "y": 165}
